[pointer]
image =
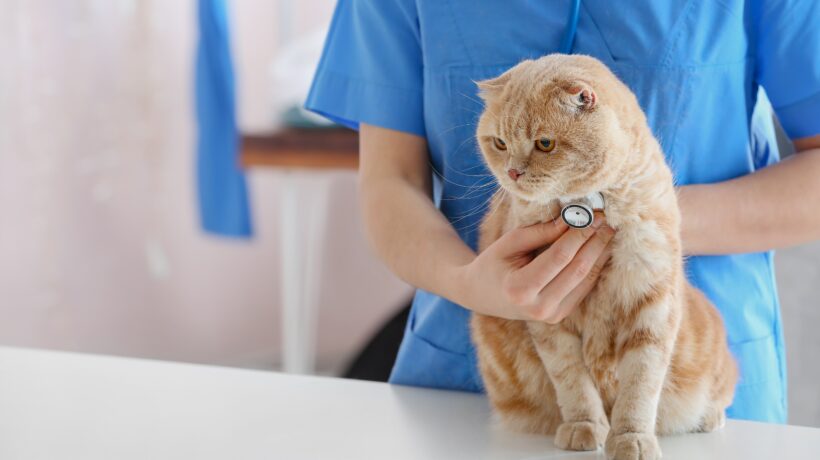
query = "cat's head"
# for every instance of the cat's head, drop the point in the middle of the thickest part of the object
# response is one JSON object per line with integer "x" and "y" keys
{"x": 549, "y": 129}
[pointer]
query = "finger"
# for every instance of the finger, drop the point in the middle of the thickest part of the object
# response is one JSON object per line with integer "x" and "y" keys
{"x": 527, "y": 239}
{"x": 544, "y": 268}
{"x": 584, "y": 268}
{"x": 580, "y": 292}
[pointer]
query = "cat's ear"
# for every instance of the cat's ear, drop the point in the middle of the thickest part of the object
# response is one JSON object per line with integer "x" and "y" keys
{"x": 488, "y": 89}
{"x": 581, "y": 95}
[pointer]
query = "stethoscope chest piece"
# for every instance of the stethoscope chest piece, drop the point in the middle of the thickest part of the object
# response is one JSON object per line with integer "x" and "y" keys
{"x": 579, "y": 213}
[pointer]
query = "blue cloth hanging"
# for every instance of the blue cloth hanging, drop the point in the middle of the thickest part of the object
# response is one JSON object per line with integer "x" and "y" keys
{"x": 221, "y": 187}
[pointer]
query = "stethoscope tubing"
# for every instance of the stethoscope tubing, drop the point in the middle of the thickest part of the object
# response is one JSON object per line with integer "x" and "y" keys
{"x": 571, "y": 28}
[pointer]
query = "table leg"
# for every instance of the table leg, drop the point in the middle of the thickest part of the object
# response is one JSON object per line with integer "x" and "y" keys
{"x": 303, "y": 221}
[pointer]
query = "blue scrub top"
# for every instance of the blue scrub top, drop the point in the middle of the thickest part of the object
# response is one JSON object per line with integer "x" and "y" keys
{"x": 696, "y": 67}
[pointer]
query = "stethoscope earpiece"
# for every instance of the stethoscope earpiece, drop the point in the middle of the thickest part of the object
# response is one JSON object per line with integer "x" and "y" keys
{"x": 580, "y": 213}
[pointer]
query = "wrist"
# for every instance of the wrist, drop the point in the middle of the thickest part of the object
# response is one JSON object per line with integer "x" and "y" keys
{"x": 456, "y": 283}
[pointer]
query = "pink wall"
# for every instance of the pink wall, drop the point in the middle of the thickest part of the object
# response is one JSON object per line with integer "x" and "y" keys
{"x": 99, "y": 246}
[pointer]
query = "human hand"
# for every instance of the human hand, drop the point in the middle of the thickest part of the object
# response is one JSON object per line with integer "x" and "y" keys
{"x": 509, "y": 280}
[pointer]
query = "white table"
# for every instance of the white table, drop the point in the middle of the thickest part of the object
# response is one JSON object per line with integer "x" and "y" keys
{"x": 57, "y": 405}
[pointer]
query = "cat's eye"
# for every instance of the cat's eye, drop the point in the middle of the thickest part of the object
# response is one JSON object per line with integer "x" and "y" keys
{"x": 545, "y": 145}
{"x": 499, "y": 144}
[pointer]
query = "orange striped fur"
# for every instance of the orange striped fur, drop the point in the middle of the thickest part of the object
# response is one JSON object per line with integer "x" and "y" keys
{"x": 646, "y": 352}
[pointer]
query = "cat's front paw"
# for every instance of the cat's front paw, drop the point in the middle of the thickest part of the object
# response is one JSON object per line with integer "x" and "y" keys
{"x": 633, "y": 446}
{"x": 581, "y": 435}
{"x": 713, "y": 421}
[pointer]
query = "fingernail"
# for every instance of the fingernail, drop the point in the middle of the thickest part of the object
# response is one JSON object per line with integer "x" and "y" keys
{"x": 596, "y": 223}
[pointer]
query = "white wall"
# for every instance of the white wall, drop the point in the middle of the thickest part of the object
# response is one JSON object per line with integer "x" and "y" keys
{"x": 99, "y": 245}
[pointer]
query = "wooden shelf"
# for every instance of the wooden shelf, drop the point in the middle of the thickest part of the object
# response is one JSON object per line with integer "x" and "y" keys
{"x": 331, "y": 148}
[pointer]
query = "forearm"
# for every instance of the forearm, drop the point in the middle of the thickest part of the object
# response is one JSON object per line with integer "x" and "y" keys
{"x": 403, "y": 225}
{"x": 771, "y": 208}
{"x": 412, "y": 237}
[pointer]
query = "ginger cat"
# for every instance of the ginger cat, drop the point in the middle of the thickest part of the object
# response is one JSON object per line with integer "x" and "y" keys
{"x": 646, "y": 352}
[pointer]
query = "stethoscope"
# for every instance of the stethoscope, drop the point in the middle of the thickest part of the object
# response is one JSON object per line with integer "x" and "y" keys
{"x": 578, "y": 213}
{"x": 572, "y": 27}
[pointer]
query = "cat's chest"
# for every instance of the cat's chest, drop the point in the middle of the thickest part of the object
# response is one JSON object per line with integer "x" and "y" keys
{"x": 642, "y": 258}
{"x": 524, "y": 215}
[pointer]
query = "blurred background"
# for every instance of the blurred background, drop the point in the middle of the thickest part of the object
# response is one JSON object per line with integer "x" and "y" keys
{"x": 101, "y": 245}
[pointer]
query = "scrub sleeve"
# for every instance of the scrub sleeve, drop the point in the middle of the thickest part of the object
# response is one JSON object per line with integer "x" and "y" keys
{"x": 371, "y": 67}
{"x": 788, "y": 63}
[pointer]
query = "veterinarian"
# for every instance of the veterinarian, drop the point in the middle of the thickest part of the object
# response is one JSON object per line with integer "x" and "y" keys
{"x": 403, "y": 73}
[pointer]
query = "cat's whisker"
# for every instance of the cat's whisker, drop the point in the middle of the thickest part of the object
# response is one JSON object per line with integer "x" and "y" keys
{"x": 461, "y": 144}
{"x": 479, "y": 208}
{"x": 477, "y": 165}
{"x": 468, "y": 195}
{"x": 464, "y": 171}
{"x": 451, "y": 182}
{"x": 475, "y": 210}
{"x": 440, "y": 133}
{"x": 475, "y": 225}
{"x": 478, "y": 177}
{"x": 475, "y": 187}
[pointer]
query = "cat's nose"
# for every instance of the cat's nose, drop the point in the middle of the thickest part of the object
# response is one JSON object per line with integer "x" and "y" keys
{"x": 514, "y": 173}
